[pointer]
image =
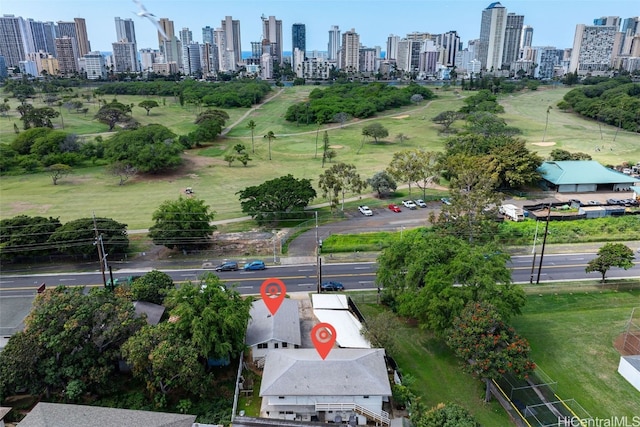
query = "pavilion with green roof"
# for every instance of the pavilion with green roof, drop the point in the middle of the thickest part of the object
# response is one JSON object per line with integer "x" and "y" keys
{"x": 578, "y": 176}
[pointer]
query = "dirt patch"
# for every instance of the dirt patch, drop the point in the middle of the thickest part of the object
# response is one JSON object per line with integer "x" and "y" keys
{"x": 544, "y": 144}
{"x": 16, "y": 208}
{"x": 336, "y": 146}
{"x": 404, "y": 116}
{"x": 190, "y": 165}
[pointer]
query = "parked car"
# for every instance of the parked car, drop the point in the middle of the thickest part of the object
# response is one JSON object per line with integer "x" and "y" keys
{"x": 421, "y": 203}
{"x": 575, "y": 202}
{"x": 409, "y": 204}
{"x": 227, "y": 266}
{"x": 446, "y": 201}
{"x": 613, "y": 201}
{"x": 332, "y": 286}
{"x": 364, "y": 210}
{"x": 255, "y": 265}
{"x": 594, "y": 203}
{"x": 395, "y": 208}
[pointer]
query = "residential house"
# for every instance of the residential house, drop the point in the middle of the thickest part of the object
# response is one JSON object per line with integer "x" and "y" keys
{"x": 267, "y": 332}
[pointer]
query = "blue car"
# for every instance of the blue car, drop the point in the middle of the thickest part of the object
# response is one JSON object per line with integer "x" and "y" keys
{"x": 255, "y": 265}
{"x": 332, "y": 286}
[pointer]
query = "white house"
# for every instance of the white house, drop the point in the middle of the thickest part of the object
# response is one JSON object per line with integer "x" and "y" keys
{"x": 266, "y": 332}
{"x": 300, "y": 385}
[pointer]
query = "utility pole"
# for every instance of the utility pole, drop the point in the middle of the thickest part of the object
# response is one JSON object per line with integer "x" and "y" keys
{"x": 535, "y": 241}
{"x": 318, "y": 246}
{"x": 100, "y": 246}
{"x": 544, "y": 242}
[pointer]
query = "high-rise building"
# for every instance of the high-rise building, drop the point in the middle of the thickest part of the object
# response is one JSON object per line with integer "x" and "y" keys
{"x": 207, "y": 35}
{"x": 167, "y": 26}
{"x": 608, "y": 21}
{"x": 125, "y": 57}
{"x": 492, "y": 29}
{"x": 630, "y": 32}
{"x": 82, "y": 38}
{"x": 450, "y": 42}
{"x": 272, "y": 31}
{"x": 350, "y": 51}
{"x": 67, "y": 29}
{"x": 334, "y": 43}
{"x": 186, "y": 38}
{"x": 593, "y": 49}
{"x": 512, "y": 37}
{"x": 192, "y": 63}
{"x": 367, "y": 60}
{"x": 67, "y": 55}
{"x": 299, "y": 37}
{"x": 392, "y": 47}
{"x": 526, "y": 40}
{"x": 95, "y": 66}
{"x": 125, "y": 30}
{"x": 231, "y": 57}
{"x": 43, "y": 34}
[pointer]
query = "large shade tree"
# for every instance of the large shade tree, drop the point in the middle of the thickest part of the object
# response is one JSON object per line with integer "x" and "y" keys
{"x": 78, "y": 237}
{"x": 339, "y": 179}
{"x": 183, "y": 224}
{"x": 430, "y": 278}
{"x": 488, "y": 347}
{"x": 277, "y": 199}
{"x": 611, "y": 255}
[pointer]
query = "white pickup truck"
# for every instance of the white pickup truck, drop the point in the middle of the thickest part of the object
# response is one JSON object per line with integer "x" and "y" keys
{"x": 364, "y": 210}
{"x": 409, "y": 204}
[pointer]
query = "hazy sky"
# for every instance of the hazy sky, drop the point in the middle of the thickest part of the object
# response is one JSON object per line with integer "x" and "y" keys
{"x": 554, "y": 21}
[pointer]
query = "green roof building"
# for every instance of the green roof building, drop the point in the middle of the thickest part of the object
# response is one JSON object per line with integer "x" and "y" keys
{"x": 579, "y": 176}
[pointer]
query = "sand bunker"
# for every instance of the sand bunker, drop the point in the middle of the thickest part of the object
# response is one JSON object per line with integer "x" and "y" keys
{"x": 401, "y": 117}
{"x": 544, "y": 144}
{"x": 336, "y": 146}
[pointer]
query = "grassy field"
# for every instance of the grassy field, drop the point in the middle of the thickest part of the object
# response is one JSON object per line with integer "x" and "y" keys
{"x": 90, "y": 190}
{"x": 571, "y": 328}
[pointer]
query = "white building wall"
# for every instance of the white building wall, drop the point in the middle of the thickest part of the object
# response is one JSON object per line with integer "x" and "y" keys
{"x": 629, "y": 372}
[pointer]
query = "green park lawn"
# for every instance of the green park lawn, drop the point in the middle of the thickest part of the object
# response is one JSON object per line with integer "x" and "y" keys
{"x": 293, "y": 151}
{"x": 570, "y": 327}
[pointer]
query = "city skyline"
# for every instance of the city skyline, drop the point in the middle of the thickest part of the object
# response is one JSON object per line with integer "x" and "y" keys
{"x": 554, "y": 22}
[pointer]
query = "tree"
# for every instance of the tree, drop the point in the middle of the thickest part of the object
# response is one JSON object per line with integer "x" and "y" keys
{"x": 339, "y": 179}
{"x": 148, "y": 104}
{"x": 72, "y": 342}
{"x": 252, "y": 126}
{"x": 123, "y": 170}
{"x": 58, "y": 171}
{"x": 513, "y": 165}
{"x": 443, "y": 415}
{"x": 270, "y": 136}
{"x": 4, "y": 108}
{"x": 417, "y": 98}
{"x": 327, "y": 152}
{"x": 431, "y": 277}
{"x": 382, "y": 183}
{"x": 113, "y": 113}
{"x": 276, "y": 199}
{"x": 446, "y": 119}
{"x": 381, "y": 331}
{"x": 414, "y": 166}
{"x": 488, "y": 347}
{"x": 341, "y": 118}
{"x": 489, "y": 125}
{"x": 375, "y": 131}
{"x": 23, "y": 235}
{"x": 161, "y": 357}
{"x": 611, "y": 255}
{"x": 152, "y": 287}
{"x": 184, "y": 224}
{"x": 149, "y": 149}
{"x": 77, "y": 237}
{"x": 546, "y": 123}
{"x": 211, "y": 316}
{"x": 36, "y": 117}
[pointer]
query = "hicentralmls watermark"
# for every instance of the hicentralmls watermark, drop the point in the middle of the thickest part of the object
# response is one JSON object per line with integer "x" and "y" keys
{"x": 600, "y": 422}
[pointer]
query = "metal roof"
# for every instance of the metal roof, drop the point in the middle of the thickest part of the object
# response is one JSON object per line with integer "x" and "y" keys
{"x": 346, "y": 325}
{"x": 284, "y": 326}
{"x": 345, "y": 372}
{"x": 582, "y": 172}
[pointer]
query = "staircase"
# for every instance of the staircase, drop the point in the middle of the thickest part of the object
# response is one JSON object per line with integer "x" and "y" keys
{"x": 381, "y": 418}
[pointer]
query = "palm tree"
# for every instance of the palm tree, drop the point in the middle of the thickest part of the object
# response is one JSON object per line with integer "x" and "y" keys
{"x": 252, "y": 125}
{"x": 270, "y": 135}
{"x": 546, "y": 124}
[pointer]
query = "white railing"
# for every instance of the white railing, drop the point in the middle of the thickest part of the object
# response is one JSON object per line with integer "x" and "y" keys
{"x": 382, "y": 417}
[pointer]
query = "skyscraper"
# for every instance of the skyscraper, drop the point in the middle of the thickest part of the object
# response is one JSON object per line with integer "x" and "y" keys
{"x": 82, "y": 38}
{"x": 512, "y": 35}
{"x": 167, "y": 26}
{"x": 207, "y": 35}
{"x": 125, "y": 30}
{"x": 350, "y": 51}
{"x": 392, "y": 47}
{"x": 272, "y": 31}
{"x": 492, "y": 28}
{"x": 450, "y": 42}
{"x": 608, "y": 21}
{"x": 14, "y": 40}
{"x": 43, "y": 34}
{"x": 592, "y": 51}
{"x": 231, "y": 56}
{"x": 125, "y": 56}
{"x": 526, "y": 40}
{"x": 67, "y": 55}
{"x": 334, "y": 43}
{"x": 186, "y": 38}
{"x": 299, "y": 37}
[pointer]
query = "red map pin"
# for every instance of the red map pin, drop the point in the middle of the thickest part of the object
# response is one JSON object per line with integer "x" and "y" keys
{"x": 323, "y": 336}
{"x": 273, "y": 292}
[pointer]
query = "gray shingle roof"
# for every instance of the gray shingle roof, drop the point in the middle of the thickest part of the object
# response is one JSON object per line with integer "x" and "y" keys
{"x": 153, "y": 311}
{"x": 582, "y": 172}
{"x": 345, "y": 372}
{"x": 283, "y": 327}
{"x": 46, "y": 414}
